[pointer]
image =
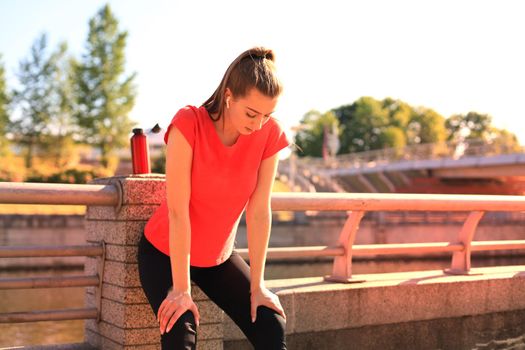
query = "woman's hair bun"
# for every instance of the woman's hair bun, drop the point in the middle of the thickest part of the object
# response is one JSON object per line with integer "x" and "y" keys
{"x": 261, "y": 53}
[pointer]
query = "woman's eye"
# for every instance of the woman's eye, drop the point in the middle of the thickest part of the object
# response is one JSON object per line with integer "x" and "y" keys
{"x": 265, "y": 117}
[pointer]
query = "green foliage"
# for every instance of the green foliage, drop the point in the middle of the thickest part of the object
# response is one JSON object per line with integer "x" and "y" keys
{"x": 36, "y": 98}
{"x": 158, "y": 164}
{"x": 366, "y": 121}
{"x": 104, "y": 97}
{"x": 310, "y": 137}
{"x": 370, "y": 124}
{"x": 504, "y": 140}
{"x": 63, "y": 103}
{"x": 4, "y": 112}
{"x": 59, "y": 144}
{"x": 425, "y": 126}
{"x": 392, "y": 137}
{"x": 44, "y": 101}
{"x": 8, "y": 171}
{"x": 472, "y": 125}
{"x": 399, "y": 112}
{"x": 72, "y": 176}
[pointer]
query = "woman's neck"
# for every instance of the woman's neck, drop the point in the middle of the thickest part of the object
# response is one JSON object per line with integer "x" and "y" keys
{"x": 225, "y": 129}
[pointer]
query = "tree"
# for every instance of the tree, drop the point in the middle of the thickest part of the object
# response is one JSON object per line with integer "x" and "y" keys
{"x": 4, "y": 112}
{"x": 399, "y": 112}
{"x": 426, "y": 126}
{"x": 58, "y": 142}
{"x": 363, "y": 122}
{"x": 104, "y": 97}
{"x": 472, "y": 125}
{"x": 310, "y": 138}
{"x": 34, "y": 98}
{"x": 45, "y": 104}
{"x": 370, "y": 124}
{"x": 504, "y": 141}
{"x": 392, "y": 137}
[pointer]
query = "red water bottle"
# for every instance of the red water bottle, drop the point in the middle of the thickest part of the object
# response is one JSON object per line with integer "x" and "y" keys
{"x": 140, "y": 152}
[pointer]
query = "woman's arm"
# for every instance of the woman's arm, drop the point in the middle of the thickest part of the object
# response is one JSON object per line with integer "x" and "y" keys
{"x": 178, "y": 189}
{"x": 259, "y": 220}
{"x": 178, "y": 170}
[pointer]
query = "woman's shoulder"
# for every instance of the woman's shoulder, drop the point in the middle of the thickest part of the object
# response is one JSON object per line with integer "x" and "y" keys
{"x": 186, "y": 119}
{"x": 190, "y": 114}
{"x": 188, "y": 111}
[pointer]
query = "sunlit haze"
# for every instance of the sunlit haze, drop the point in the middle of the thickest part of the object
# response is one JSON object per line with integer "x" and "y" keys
{"x": 451, "y": 56}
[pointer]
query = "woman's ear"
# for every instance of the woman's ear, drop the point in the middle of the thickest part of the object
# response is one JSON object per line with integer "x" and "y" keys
{"x": 227, "y": 97}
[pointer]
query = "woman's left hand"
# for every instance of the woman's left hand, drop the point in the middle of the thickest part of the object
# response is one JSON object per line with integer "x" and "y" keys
{"x": 263, "y": 296}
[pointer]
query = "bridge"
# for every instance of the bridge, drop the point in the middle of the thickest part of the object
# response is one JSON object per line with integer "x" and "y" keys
{"x": 117, "y": 314}
{"x": 473, "y": 166}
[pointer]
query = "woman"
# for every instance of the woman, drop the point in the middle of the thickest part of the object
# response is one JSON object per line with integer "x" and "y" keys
{"x": 221, "y": 159}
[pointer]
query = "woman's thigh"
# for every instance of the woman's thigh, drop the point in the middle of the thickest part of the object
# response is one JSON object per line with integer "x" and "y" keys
{"x": 228, "y": 286}
{"x": 154, "y": 269}
{"x": 155, "y": 278}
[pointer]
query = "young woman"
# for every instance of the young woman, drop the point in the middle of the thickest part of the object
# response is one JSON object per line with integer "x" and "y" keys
{"x": 221, "y": 159}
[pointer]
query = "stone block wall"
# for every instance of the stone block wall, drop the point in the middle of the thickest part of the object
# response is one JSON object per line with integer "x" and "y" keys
{"x": 127, "y": 320}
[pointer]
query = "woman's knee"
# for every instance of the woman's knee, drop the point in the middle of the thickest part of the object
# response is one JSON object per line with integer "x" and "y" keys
{"x": 271, "y": 327}
{"x": 182, "y": 335}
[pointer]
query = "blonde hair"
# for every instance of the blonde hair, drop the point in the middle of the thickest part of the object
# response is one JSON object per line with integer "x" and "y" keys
{"x": 254, "y": 68}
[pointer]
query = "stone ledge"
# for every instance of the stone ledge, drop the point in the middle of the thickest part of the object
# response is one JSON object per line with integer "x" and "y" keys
{"x": 138, "y": 188}
{"x": 313, "y": 305}
{"x": 135, "y": 295}
{"x": 114, "y": 232}
{"x": 75, "y": 346}
{"x": 136, "y": 316}
{"x": 101, "y": 342}
{"x": 128, "y": 212}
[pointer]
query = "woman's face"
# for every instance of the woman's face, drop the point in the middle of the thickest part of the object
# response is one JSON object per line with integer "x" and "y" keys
{"x": 249, "y": 113}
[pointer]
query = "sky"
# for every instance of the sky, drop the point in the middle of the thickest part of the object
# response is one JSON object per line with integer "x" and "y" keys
{"x": 451, "y": 56}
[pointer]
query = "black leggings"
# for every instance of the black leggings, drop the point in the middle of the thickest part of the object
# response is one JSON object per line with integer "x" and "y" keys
{"x": 227, "y": 285}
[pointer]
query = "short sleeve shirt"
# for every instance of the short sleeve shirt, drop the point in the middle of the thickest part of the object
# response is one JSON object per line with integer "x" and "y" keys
{"x": 222, "y": 181}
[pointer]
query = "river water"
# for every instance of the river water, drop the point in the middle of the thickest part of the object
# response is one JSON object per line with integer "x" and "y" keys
{"x": 59, "y": 332}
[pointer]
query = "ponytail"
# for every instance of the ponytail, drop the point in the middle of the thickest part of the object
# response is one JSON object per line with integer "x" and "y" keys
{"x": 254, "y": 68}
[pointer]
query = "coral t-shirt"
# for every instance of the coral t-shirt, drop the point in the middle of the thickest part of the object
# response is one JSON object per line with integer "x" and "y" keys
{"x": 222, "y": 181}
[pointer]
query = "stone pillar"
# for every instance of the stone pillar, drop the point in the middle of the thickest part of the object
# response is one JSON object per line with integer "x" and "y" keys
{"x": 127, "y": 320}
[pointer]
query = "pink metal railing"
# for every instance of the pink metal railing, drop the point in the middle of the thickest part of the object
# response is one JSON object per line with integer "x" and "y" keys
{"x": 55, "y": 282}
{"x": 425, "y": 151}
{"x": 355, "y": 205}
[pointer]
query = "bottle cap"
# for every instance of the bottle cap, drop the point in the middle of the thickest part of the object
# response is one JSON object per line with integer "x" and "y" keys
{"x": 138, "y": 131}
{"x": 156, "y": 129}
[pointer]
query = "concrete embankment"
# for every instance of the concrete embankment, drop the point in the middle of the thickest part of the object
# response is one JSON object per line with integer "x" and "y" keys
{"x": 397, "y": 310}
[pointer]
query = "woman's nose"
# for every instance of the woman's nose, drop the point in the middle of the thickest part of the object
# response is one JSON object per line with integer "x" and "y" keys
{"x": 258, "y": 124}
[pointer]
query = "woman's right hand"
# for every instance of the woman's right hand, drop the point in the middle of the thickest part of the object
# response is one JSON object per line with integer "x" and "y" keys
{"x": 174, "y": 305}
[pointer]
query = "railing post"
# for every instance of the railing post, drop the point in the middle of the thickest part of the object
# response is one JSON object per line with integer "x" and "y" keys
{"x": 100, "y": 273}
{"x": 126, "y": 320}
{"x": 461, "y": 260}
{"x": 342, "y": 268}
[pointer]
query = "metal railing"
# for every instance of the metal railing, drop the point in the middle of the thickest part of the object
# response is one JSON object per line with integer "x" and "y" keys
{"x": 426, "y": 151}
{"x": 52, "y": 194}
{"x": 44, "y": 193}
{"x": 54, "y": 282}
{"x": 355, "y": 205}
